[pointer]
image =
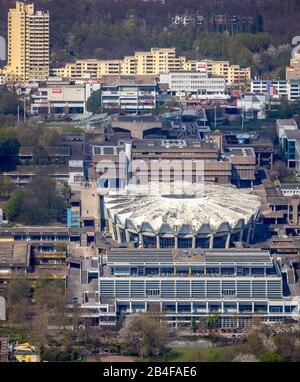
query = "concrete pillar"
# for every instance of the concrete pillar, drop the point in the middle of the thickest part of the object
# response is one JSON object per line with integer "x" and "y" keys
{"x": 141, "y": 239}
{"x": 176, "y": 242}
{"x": 194, "y": 242}
{"x": 118, "y": 238}
{"x": 127, "y": 235}
{"x": 157, "y": 242}
{"x": 228, "y": 241}
{"x": 211, "y": 242}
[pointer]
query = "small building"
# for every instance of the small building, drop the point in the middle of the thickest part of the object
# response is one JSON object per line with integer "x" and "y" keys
{"x": 76, "y": 171}
{"x": 253, "y": 106}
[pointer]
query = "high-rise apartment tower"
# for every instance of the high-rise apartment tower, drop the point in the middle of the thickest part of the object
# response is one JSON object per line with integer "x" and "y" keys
{"x": 28, "y": 42}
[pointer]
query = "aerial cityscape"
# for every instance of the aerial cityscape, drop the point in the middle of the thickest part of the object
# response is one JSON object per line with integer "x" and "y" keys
{"x": 149, "y": 181}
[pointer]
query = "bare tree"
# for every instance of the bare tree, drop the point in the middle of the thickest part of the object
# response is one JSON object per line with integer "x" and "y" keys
{"x": 145, "y": 335}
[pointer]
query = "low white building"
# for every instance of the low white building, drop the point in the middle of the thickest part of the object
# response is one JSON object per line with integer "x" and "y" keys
{"x": 76, "y": 172}
{"x": 283, "y": 125}
{"x": 193, "y": 82}
{"x": 253, "y": 105}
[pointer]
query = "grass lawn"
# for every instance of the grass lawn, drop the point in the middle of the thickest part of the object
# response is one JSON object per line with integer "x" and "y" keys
{"x": 212, "y": 354}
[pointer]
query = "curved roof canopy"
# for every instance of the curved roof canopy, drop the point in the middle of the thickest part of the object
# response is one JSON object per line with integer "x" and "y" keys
{"x": 182, "y": 208}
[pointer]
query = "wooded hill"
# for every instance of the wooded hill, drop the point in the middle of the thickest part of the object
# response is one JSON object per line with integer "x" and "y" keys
{"x": 219, "y": 28}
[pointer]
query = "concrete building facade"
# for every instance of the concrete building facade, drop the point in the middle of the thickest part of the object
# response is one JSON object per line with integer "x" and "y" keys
{"x": 235, "y": 285}
{"x": 154, "y": 62}
{"x": 193, "y": 83}
{"x": 28, "y": 43}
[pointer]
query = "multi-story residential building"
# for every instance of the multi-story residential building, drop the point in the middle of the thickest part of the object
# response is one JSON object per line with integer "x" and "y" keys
{"x": 154, "y": 62}
{"x": 186, "y": 82}
{"x": 28, "y": 42}
{"x": 233, "y": 74}
{"x": 235, "y": 285}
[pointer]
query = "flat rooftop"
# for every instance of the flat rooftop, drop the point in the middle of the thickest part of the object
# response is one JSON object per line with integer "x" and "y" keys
{"x": 14, "y": 254}
{"x": 292, "y": 134}
{"x": 116, "y": 80}
{"x": 239, "y": 151}
{"x": 164, "y": 144}
{"x": 167, "y": 256}
{"x": 286, "y": 122}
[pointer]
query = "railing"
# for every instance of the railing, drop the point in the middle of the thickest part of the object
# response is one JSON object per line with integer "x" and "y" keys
{"x": 200, "y": 275}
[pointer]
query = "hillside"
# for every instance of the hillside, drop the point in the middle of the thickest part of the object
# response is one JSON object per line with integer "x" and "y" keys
{"x": 112, "y": 29}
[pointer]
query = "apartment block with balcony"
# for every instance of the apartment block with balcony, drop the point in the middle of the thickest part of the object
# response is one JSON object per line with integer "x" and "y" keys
{"x": 154, "y": 62}
{"x": 28, "y": 43}
{"x": 233, "y": 74}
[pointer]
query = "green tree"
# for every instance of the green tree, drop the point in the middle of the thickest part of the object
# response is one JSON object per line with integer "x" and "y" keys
{"x": 42, "y": 202}
{"x": 94, "y": 102}
{"x": 13, "y": 206}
